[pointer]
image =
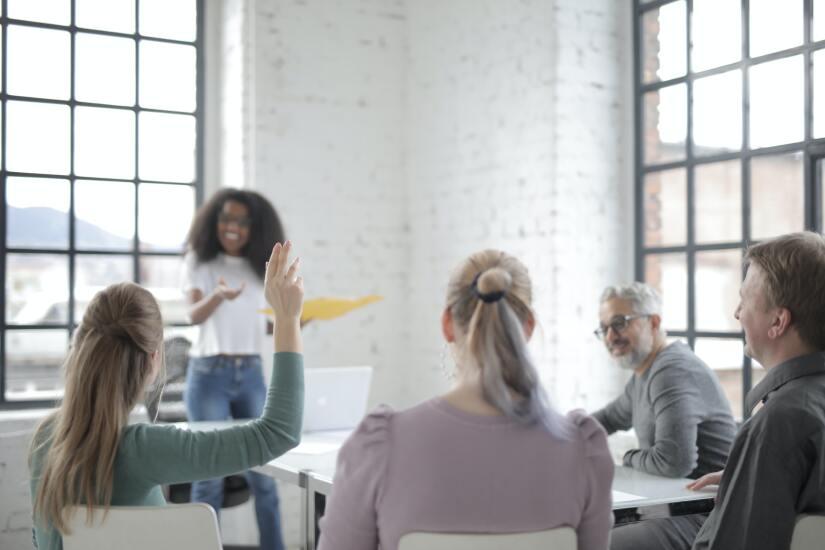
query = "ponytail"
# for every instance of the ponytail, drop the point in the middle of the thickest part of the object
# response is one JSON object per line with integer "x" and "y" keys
{"x": 107, "y": 370}
{"x": 492, "y": 311}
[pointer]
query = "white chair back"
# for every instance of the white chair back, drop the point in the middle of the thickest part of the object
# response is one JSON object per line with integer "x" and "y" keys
{"x": 809, "y": 533}
{"x": 561, "y": 538}
{"x": 173, "y": 527}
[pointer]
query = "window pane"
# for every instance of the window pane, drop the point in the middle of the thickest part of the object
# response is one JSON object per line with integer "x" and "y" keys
{"x": 777, "y": 195}
{"x": 776, "y": 102}
{"x": 717, "y": 33}
{"x": 167, "y": 147}
{"x": 725, "y": 357}
{"x": 38, "y": 212}
{"x": 717, "y": 113}
{"x": 665, "y": 120}
{"x": 161, "y": 276}
{"x": 104, "y": 142}
{"x": 37, "y": 288}
{"x": 105, "y": 69}
{"x": 818, "y": 58}
{"x": 176, "y": 20}
{"x": 718, "y": 202}
{"x": 818, "y": 27}
{"x": 663, "y": 32}
{"x": 109, "y": 15}
{"x": 666, "y": 208}
{"x": 96, "y": 272}
{"x": 33, "y": 363}
{"x": 38, "y": 62}
{"x": 37, "y": 137}
{"x": 167, "y": 76}
{"x": 45, "y": 11}
{"x": 774, "y": 25}
{"x": 668, "y": 274}
{"x": 104, "y": 215}
{"x": 164, "y": 217}
{"x": 718, "y": 277}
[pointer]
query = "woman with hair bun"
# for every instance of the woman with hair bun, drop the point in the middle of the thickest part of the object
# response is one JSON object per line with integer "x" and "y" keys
{"x": 86, "y": 453}
{"x": 489, "y": 456}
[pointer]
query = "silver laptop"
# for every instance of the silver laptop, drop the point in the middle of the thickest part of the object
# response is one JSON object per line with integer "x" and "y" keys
{"x": 335, "y": 398}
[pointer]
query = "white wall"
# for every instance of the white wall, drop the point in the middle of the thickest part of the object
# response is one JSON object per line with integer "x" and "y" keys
{"x": 519, "y": 139}
{"x": 329, "y": 135}
{"x": 397, "y": 136}
{"x": 15, "y": 504}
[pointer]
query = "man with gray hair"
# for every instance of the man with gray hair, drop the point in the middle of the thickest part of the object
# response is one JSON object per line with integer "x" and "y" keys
{"x": 674, "y": 402}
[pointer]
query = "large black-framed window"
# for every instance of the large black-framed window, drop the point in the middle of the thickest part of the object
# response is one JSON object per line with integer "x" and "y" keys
{"x": 730, "y": 133}
{"x": 100, "y": 143}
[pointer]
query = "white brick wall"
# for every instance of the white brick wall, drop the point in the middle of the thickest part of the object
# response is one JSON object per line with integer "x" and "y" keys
{"x": 329, "y": 130}
{"x": 593, "y": 182}
{"x": 15, "y": 506}
{"x": 521, "y": 141}
{"x": 395, "y": 137}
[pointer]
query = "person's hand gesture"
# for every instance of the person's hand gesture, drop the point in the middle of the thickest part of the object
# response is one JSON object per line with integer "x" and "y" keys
{"x": 226, "y": 292}
{"x": 283, "y": 288}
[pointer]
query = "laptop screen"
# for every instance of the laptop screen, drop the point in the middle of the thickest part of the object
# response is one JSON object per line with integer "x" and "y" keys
{"x": 335, "y": 398}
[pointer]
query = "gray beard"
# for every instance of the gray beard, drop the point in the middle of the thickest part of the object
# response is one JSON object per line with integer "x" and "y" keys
{"x": 637, "y": 356}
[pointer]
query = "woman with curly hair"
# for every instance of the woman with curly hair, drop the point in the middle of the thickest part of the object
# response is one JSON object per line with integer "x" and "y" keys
{"x": 229, "y": 242}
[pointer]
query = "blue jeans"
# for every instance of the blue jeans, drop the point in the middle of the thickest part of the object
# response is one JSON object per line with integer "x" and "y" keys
{"x": 220, "y": 387}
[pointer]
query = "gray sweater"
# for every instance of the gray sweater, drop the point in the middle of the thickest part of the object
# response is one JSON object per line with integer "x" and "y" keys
{"x": 681, "y": 416}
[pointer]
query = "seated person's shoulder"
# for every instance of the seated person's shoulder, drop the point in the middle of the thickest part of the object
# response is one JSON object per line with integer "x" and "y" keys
{"x": 677, "y": 363}
{"x": 373, "y": 431}
{"x": 588, "y": 430}
{"x": 677, "y": 355}
{"x": 785, "y": 418}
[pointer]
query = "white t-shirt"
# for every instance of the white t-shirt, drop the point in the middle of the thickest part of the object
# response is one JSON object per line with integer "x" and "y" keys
{"x": 236, "y": 327}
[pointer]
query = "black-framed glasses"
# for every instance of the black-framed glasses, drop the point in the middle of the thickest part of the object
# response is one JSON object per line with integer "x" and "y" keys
{"x": 618, "y": 324}
{"x": 239, "y": 221}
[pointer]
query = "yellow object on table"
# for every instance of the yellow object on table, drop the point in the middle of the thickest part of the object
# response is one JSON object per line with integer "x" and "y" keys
{"x": 330, "y": 308}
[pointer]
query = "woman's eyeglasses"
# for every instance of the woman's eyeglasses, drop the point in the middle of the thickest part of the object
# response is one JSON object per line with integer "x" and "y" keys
{"x": 240, "y": 222}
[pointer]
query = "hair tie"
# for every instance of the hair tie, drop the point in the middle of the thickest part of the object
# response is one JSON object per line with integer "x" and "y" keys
{"x": 488, "y": 297}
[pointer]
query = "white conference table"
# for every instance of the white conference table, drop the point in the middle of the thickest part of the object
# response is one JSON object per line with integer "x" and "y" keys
{"x": 635, "y": 493}
{"x": 311, "y": 466}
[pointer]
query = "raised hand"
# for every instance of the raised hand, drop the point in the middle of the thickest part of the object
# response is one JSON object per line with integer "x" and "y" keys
{"x": 283, "y": 288}
{"x": 226, "y": 292}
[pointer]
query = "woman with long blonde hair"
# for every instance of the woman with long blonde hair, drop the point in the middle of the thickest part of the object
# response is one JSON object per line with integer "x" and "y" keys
{"x": 86, "y": 452}
{"x": 489, "y": 456}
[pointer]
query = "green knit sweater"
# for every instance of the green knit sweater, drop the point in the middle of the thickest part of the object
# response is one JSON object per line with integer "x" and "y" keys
{"x": 152, "y": 455}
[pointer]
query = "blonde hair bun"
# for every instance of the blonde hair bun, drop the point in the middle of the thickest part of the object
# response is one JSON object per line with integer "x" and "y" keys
{"x": 495, "y": 279}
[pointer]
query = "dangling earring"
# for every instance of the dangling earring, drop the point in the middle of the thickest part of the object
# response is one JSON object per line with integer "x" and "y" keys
{"x": 449, "y": 371}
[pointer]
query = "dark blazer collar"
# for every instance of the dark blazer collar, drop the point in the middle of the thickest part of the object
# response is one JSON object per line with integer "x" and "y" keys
{"x": 804, "y": 365}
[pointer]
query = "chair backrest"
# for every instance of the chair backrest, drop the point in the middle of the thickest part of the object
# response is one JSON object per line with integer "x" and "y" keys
{"x": 173, "y": 527}
{"x": 561, "y": 538}
{"x": 809, "y": 533}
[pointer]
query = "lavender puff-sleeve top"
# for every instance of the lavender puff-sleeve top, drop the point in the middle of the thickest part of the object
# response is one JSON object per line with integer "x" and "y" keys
{"x": 435, "y": 468}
